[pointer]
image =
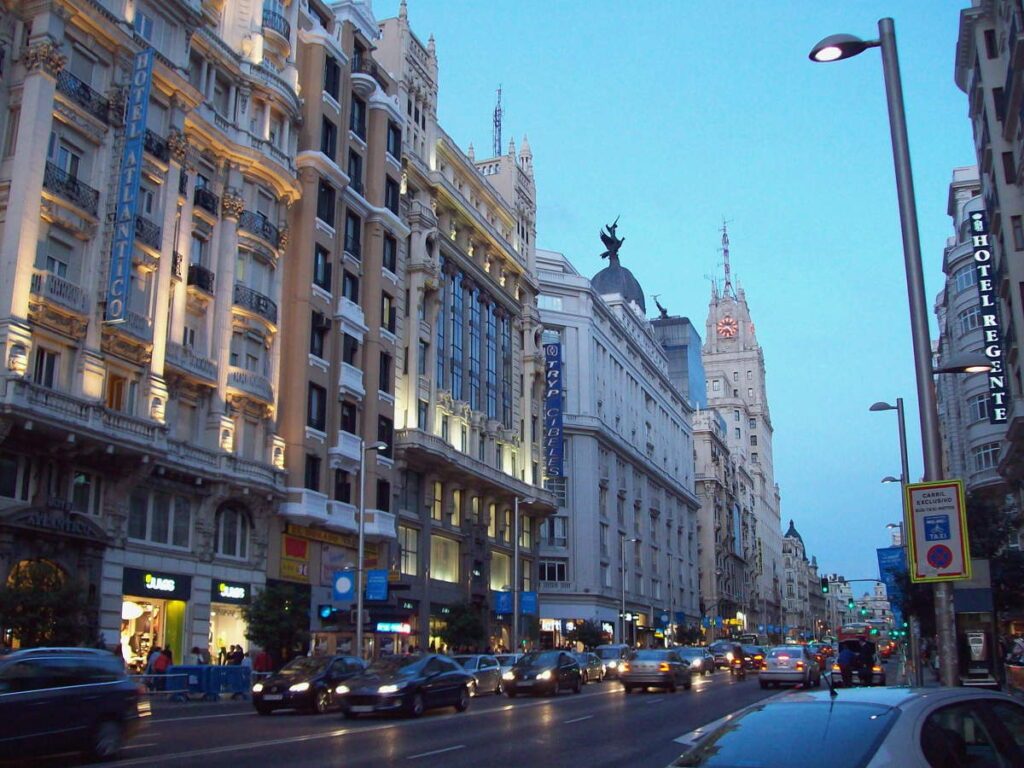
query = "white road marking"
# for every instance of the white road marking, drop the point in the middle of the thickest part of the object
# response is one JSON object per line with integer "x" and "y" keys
{"x": 155, "y": 720}
{"x": 436, "y": 752}
{"x": 655, "y": 701}
{"x": 578, "y": 719}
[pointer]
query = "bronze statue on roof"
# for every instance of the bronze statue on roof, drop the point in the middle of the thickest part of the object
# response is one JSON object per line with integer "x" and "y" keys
{"x": 612, "y": 243}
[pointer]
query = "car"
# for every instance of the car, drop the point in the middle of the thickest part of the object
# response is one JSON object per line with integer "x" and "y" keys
{"x": 55, "y": 700}
{"x": 700, "y": 659}
{"x": 860, "y": 674}
{"x": 591, "y": 666}
{"x": 655, "y": 668}
{"x": 720, "y": 650}
{"x": 305, "y": 683}
{"x": 486, "y": 672}
{"x": 506, "y": 660}
{"x": 753, "y": 656}
{"x": 544, "y": 672}
{"x": 821, "y": 652}
{"x": 406, "y": 684}
{"x": 793, "y": 664}
{"x": 870, "y": 727}
{"x": 612, "y": 656}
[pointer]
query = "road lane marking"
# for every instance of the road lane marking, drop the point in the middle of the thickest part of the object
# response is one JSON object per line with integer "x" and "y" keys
{"x": 578, "y": 719}
{"x": 162, "y": 720}
{"x": 655, "y": 701}
{"x": 436, "y": 752}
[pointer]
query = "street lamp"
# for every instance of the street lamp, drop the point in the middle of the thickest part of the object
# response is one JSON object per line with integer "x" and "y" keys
{"x": 622, "y": 561}
{"x": 891, "y": 479}
{"x": 841, "y": 47}
{"x": 363, "y": 450}
{"x": 515, "y": 571}
{"x": 970, "y": 362}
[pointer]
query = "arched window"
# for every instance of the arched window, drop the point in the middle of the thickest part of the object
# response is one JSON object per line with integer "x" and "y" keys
{"x": 233, "y": 529}
{"x": 38, "y": 575}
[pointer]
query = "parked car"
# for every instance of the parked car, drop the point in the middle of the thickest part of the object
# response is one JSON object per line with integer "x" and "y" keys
{"x": 701, "y": 661}
{"x": 720, "y": 650}
{"x": 306, "y": 683}
{"x": 655, "y": 668}
{"x": 871, "y": 727}
{"x": 56, "y": 700}
{"x": 540, "y": 672}
{"x": 486, "y": 672}
{"x": 409, "y": 684}
{"x": 862, "y": 675}
{"x": 612, "y": 656}
{"x": 793, "y": 664}
{"x": 591, "y": 666}
{"x": 506, "y": 660}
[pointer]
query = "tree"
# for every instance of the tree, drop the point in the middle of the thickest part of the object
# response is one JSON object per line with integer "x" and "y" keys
{"x": 588, "y": 632}
{"x": 278, "y": 619}
{"x": 465, "y": 628}
{"x": 41, "y": 606}
{"x": 990, "y": 525}
{"x": 687, "y": 635}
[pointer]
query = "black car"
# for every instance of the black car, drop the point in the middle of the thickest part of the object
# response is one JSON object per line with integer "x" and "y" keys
{"x": 306, "y": 683}
{"x": 62, "y": 699}
{"x": 409, "y": 684}
{"x": 753, "y": 656}
{"x": 721, "y": 650}
{"x": 547, "y": 672}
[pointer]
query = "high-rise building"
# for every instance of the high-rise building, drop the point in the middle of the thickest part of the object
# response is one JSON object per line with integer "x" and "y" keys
{"x": 140, "y": 278}
{"x": 625, "y": 531}
{"x": 734, "y": 367}
{"x": 469, "y": 374}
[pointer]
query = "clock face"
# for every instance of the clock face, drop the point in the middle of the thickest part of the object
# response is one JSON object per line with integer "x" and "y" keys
{"x": 727, "y": 327}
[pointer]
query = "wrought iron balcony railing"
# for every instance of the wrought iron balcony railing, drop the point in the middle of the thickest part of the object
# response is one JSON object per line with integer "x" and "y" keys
{"x": 278, "y": 23}
{"x": 255, "y": 301}
{"x": 200, "y": 277}
{"x": 182, "y": 183}
{"x": 83, "y": 95}
{"x": 147, "y": 232}
{"x": 257, "y": 224}
{"x": 71, "y": 189}
{"x": 156, "y": 145}
{"x": 206, "y": 200}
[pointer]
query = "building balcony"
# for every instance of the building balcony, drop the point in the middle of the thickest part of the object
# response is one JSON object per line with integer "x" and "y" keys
{"x": 71, "y": 189}
{"x": 201, "y": 278}
{"x": 251, "y": 383}
{"x": 217, "y": 464}
{"x": 185, "y": 359}
{"x": 137, "y": 325}
{"x": 83, "y": 95}
{"x": 305, "y": 506}
{"x": 350, "y": 382}
{"x": 366, "y": 75}
{"x": 58, "y": 290}
{"x": 257, "y": 224}
{"x": 255, "y": 302}
{"x": 147, "y": 233}
{"x": 156, "y": 145}
{"x": 271, "y": 150}
{"x": 351, "y": 318}
{"x": 344, "y": 454}
{"x": 277, "y": 23}
{"x": 206, "y": 200}
{"x": 379, "y": 525}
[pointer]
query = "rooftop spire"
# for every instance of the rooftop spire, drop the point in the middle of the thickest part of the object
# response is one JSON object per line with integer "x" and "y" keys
{"x": 727, "y": 288}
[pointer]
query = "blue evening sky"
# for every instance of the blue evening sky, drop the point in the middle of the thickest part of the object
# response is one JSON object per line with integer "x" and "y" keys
{"x": 675, "y": 114}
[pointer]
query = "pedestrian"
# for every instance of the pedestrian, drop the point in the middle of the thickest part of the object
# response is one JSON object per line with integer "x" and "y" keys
{"x": 246, "y": 662}
{"x": 263, "y": 662}
{"x": 222, "y": 655}
{"x": 847, "y": 661}
{"x": 197, "y": 656}
{"x": 237, "y": 654}
{"x": 154, "y": 654}
{"x": 161, "y": 664}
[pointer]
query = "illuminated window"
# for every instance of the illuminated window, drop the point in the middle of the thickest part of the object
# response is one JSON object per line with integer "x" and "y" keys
{"x": 444, "y": 559}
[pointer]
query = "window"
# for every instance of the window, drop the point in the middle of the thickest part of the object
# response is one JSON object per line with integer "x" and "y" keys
{"x": 383, "y": 495}
{"x": 437, "y": 501}
{"x": 322, "y": 268}
{"x": 456, "y": 515}
{"x": 474, "y": 351}
{"x": 1009, "y": 169}
{"x": 394, "y": 140}
{"x": 328, "y": 138}
{"x": 350, "y": 287}
{"x": 979, "y": 407}
{"x": 357, "y": 119}
{"x": 384, "y": 383}
{"x": 445, "y": 432}
{"x": 736, "y": 433}
{"x": 312, "y": 479}
{"x": 143, "y": 24}
{"x": 332, "y": 77}
{"x": 45, "y": 372}
{"x": 11, "y": 138}
{"x": 421, "y": 360}
{"x": 492, "y": 521}
{"x": 342, "y": 486}
{"x": 753, "y": 457}
{"x": 506, "y": 528}
{"x": 409, "y": 544}
{"x": 499, "y": 458}
{"x": 750, "y": 375}
{"x": 85, "y": 493}
{"x": 603, "y": 537}
{"x": 491, "y": 381}
{"x": 316, "y": 407}
{"x": 969, "y": 319}
{"x": 1018, "y": 233}
{"x": 750, "y": 392}
{"x": 991, "y": 49}
{"x": 348, "y": 421}
{"x": 232, "y": 533}
{"x": 318, "y": 327}
{"x": 525, "y": 531}
{"x": 716, "y": 385}
{"x": 121, "y": 393}
{"x": 458, "y": 297}
{"x": 355, "y": 171}
{"x": 159, "y": 518}
{"x": 325, "y": 203}
{"x": 444, "y": 559}
{"x": 985, "y": 457}
{"x": 551, "y": 570}
{"x": 736, "y": 414}
{"x": 390, "y": 254}
{"x": 965, "y": 277}
{"x": 349, "y": 350}
{"x": 422, "y": 410}
{"x": 999, "y": 103}
{"x": 387, "y": 313}
{"x": 442, "y": 322}
{"x": 735, "y": 375}
{"x": 958, "y": 735}
{"x": 753, "y": 439}
{"x": 752, "y": 423}
{"x": 391, "y": 195}
{"x": 386, "y": 435}
{"x": 557, "y": 527}
{"x": 353, "y": 235}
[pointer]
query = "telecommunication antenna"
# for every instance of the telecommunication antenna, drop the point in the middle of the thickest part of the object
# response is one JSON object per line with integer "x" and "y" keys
{"x": 727, "y": 288}
{"x": 497, "y": 125}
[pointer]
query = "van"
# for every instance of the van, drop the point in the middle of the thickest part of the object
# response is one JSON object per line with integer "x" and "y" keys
{"x": 612, "y": 656}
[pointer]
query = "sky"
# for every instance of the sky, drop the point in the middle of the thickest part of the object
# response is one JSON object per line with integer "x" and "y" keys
{"x": 674, "y": 115}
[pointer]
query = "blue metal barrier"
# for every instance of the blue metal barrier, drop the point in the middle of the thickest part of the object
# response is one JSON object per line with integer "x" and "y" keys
{"x": 200, "y": 680}
{"x": 234, "y": 680}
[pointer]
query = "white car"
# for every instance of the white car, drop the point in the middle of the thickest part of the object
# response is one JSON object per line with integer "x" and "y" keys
{"x": 870, "y": 727}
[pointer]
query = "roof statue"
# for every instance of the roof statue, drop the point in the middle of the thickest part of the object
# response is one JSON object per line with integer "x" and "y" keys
{"x": 611, "y": 242}
{"x": 615, "y": 278}
{"x": 661, "y": 309}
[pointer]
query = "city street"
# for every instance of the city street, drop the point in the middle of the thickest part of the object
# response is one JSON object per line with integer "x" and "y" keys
{"x": 599, "y": 727}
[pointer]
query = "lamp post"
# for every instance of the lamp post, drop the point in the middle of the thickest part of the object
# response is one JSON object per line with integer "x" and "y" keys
{"x": 838, "y": 47}
{"x": 363, "y": 450}
{"x": 515, "y": 571}
{"x": 622, "y": 560}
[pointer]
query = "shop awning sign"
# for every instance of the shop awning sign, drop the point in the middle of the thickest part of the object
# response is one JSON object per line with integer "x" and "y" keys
{"x": 936, "y": 527}
{"x": 229, "y": 592}
{"x": 156, "y": 584}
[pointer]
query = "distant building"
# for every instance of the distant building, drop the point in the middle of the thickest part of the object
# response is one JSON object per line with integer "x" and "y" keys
{"x": 682, "y": 344}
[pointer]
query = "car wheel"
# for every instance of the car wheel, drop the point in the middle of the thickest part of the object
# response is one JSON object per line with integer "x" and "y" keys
{"x": 264, "y": 710}
{"x": 416, "y": 706}
{"x": 627, "y": 688}
{"x": 106, "y": 741}
{"x": 462, "y": 703}
{"x": 322, "y": 701}
{"x": 578, "y": 687}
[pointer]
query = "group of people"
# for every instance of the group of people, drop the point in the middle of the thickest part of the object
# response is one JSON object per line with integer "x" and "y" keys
{"x": 856, "y": 657}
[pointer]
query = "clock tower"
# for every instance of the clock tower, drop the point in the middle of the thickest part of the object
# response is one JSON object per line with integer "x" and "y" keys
{"x": 735, "y": 372}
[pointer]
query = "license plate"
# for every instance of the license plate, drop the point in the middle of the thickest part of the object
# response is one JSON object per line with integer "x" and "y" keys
{"x": 525, "y": 683}
{"x": 273, "y": 696}
{"x": 361, "y": 708}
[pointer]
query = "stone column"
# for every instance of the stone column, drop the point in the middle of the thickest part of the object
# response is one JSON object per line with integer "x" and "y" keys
{"x": 179, "y": 298}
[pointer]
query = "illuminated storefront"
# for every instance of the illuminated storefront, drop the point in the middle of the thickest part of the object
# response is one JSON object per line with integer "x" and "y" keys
{"x": 153, "y": 608}
{"x": 227, "y": 622}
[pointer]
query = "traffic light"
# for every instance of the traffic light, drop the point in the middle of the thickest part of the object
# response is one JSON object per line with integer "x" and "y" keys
{"x": 824, "y": 586}
{"x": 326, "y": 613}
{"x": 849, "y": 604}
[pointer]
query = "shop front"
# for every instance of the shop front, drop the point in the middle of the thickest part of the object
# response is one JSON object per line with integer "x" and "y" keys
{"x": 153, "y": 614}
{"x": 228, "y": 600}
{"x": 439, "y": 615}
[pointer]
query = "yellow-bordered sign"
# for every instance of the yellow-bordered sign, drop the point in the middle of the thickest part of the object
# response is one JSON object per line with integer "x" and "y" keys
{"x": 936, "y": 528}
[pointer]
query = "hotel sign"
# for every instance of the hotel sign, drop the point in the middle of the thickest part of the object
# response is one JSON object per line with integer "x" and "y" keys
{"x": 990, "y": 328}
{"x": 553, "y": 410}
{"x": 120, "y": 272}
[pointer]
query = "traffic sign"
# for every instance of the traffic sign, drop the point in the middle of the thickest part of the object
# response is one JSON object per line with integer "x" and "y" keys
{"x": 343, "y": 585}
{"x": 936, "y": 527}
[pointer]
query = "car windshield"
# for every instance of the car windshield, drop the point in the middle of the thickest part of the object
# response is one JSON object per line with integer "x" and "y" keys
{"x": 306, "y": 665}
{"x": 752, "y": 649}
{"x": 396, "y": 665}
{"x": 651, "y": 654}
{"x": 789, "y": 653}
{"x": 842, "y": 734}
{"x": 608, "y": 653}
{"x": 467, "y": 661}
{"x": 539, "y": 659}
{"x": 690, "y": 653}
{"x": 505, "y": 659}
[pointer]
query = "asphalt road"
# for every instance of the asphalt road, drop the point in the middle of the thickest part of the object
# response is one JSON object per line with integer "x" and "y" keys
{"x": 599, "y": 727}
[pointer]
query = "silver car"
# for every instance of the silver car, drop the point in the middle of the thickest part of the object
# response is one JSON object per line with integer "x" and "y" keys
{"x": 486, "y": 672}
{"x": 507, "y": 661}
{"x": 655, "y": 668}
{"x": 791, "y": 664}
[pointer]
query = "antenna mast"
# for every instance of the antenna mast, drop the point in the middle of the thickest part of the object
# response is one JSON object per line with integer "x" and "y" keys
{"x": 497, "y": 125}
{"x": 725, "y": 251}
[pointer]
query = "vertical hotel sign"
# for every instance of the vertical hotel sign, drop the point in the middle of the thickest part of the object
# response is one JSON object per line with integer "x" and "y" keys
{"x": 553, "y": 410}
{"x": 990, "y": 328}
{"x": 119, "y": 277}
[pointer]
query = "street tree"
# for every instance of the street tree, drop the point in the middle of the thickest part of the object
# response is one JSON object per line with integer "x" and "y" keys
{"x": 278, "y": 621}
{"x": 465, "y": 628}
{"x": 588, "y": 632}
{"x": 40, "y": 605}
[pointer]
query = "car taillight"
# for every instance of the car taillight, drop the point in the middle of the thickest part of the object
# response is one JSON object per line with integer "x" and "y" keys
{"x": 764, "y": 665}
{"x": 799, "y": 665}
{"x": 624, "y": 667}
{"x": 783, "y": 657}
{"x": 664, "y": 667}
{"x": 835, "y": 668}
{"x": 876, "y": 669}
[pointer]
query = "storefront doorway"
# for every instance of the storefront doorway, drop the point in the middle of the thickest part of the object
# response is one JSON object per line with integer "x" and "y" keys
{"x": 153, "y": 607}
{"x": 227, "y": 618}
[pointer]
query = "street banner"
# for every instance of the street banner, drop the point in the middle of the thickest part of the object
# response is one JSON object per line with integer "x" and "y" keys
{"x": 344, "y": 586}
{"x": 376, "y": 584}
{"x": 502, "y": 602}
{"x": 892, "y": 563}
{"x": 936, "y": 528}
{"x": 528, "y": 603}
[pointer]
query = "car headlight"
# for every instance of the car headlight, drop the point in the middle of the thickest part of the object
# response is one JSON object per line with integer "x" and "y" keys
{"x": 729, "y": 655}
{"x": 695, "y": 664}
{"x": 388, "y": 689}
{"x": 509, "y": 676}
{"x": 612, "y": 664}
{"x": 299, "y": 687}
{"x": 545, "y": 675}
{"x": 257, "y": 688}
{"x": 341, "y": 690}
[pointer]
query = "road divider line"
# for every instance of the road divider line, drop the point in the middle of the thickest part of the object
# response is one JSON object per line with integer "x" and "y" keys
{"x": 436, "y": 752}
{"x": 578, "y": 719}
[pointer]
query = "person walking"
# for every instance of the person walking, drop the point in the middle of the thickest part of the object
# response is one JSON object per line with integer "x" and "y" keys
{"x": 263, "y": 662}
{"x": 847, "y": 661}
{"x": 160, "y": 666}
